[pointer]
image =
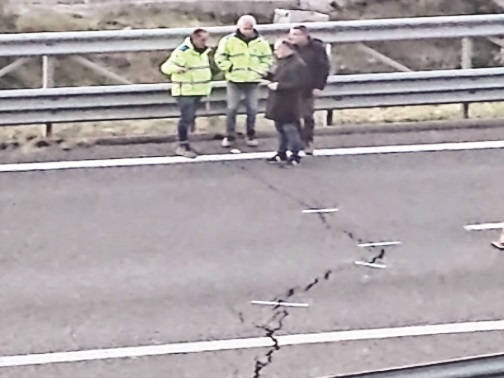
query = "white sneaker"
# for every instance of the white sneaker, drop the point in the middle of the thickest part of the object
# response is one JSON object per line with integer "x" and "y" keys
{"x": 252, "y": 142}
{"x": 226, "y": 142}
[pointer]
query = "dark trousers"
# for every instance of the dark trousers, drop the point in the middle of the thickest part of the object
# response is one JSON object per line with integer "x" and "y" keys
{"x": 288, "y": 138}
{"x": 187, "y": 106}
{"x": 308, "y": 122}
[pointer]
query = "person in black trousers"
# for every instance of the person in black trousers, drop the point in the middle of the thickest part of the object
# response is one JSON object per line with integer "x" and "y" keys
{"x": 313, "y": 52}
{"x": 285, "y": 100}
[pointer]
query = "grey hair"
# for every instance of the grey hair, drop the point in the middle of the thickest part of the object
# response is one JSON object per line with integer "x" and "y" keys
{"x": 247, "y": 19}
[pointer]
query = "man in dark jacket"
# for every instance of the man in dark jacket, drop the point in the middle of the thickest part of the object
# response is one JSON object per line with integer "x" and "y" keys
{"x": 313, "y": 52}
{"x": 284, "y": 101}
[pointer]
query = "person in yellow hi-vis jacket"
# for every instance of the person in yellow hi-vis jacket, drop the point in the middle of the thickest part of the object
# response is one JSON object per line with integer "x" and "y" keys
{"x": 244, "y": 56}
{"x": 189, "y": 68}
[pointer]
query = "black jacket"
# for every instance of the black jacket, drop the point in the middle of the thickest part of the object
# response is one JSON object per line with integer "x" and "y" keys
{"x": 284, "y": 104}
{"x": 315, "y": 56}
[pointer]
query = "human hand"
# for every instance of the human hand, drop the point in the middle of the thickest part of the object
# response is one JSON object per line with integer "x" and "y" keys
{"x": 181, "y": 70}
{"x": 273, "y": 86}
{"x": 317, "y": 92}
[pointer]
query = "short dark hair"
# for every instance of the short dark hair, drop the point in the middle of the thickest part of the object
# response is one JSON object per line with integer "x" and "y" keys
{"x": 303, "y": 29}
{"x": 198, "y": 32}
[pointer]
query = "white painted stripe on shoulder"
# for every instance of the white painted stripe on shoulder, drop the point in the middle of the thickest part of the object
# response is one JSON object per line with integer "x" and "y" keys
{"x": 248, "y": 343}
{"x": 279, "y": 304}
{"x": 371, "y": 265}
{"x": 320, "y": 211}
{"x": 484, "y": 226}
{"x": 130, "y": 162}
{"x": 378, "y": 244}
{"x": 455, "y": 146}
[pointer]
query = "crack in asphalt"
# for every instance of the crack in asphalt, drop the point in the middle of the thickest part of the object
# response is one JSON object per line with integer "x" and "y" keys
{"x": 280, "y": 316}
{"x": 380, "y": 256}
{"x": 270, "y": 332}
{"x": 273, "y": 188}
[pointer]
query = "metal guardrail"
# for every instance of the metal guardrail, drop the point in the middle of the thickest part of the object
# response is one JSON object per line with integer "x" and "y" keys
{"x": 68, "y": 43}
{"x": 149, "y": 101}
{"x": 477, "y": 367}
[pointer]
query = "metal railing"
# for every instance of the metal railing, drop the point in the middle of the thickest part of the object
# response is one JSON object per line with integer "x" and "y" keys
{"x": 91, "y": 42}
{"x": 49, "y": 45}
{"x": 149, "y": 101}
{"x": 477, "y": 367}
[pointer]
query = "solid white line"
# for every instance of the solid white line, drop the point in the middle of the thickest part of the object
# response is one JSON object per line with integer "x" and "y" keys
{"x": 280, "y": 304}
{"x": 320, "y": 211}
{"x": 129, "y": 162}
{"x": 379, "y": 244}
{"x": 371, "y": 265}
{"x": 258, "y": 342}
{"x": 484, "y": 226}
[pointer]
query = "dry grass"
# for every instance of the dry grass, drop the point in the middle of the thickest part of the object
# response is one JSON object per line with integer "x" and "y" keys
{"x": 40, "y": 19}
{"x": 419, "y": 113}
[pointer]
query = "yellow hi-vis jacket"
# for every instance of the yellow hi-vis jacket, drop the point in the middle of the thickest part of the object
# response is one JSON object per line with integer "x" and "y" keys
{"x": 196, "y": 80}
{"x": 243, "y": 61}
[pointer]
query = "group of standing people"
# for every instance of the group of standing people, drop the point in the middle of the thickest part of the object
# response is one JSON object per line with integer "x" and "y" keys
{"x": 295, "y": 78}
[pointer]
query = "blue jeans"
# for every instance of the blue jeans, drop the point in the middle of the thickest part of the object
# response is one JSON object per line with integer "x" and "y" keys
{"x": 235, "y": 91}
{"x": 188, "y": 106}
{"x": 289, "y": 138}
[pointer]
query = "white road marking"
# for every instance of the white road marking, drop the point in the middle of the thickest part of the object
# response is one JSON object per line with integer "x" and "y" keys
{"x": 130, "y": 162}
{"x": 320, "y": 211}
{"x": 484, "y": 226}
{"x": 379, "y": 244}
{"x": 371, "y": 265}
{"x": 280, "y": 304}
{"x": 248, "y": 343}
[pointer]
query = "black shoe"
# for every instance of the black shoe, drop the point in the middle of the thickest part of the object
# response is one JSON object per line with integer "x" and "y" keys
{"x": 278, "y": 158}
{"x": 294, "y": 160}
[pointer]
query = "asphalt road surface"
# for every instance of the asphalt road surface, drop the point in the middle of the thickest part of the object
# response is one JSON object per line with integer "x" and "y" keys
{"x": 145, "y": 256}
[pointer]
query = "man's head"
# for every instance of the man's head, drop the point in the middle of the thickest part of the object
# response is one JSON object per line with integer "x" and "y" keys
{"x": 283, "y": 48}
{"x": 199, "y": 38}
{"x": 299, "y": 35}
{"x": 246, "y": 25}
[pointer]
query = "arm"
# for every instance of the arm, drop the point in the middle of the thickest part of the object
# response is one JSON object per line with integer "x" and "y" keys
{"x": 296, "y": 79}
{"x": 266, "y": 58}
{"x": 268, "y": 76}
{"x": 174, "y": 63}
{"x": 222, "y": 56}
{"x": 323, "y": 67}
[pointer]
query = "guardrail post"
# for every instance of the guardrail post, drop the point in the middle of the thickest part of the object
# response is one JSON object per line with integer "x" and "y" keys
{"x": 330, "y": 113}
{"x": 47, "y": 82}
{"x": 466, "y": 63}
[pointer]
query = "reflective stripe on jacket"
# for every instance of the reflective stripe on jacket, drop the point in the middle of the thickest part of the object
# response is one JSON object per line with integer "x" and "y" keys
{"x": 196, "y": 80}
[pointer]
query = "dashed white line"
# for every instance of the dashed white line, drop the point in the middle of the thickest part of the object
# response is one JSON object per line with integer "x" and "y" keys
{"x": 130, "y": 162}
{"x": 378, "y": 244}
{"x": 257, "y": 342}
{"x": 279, "y": 304}
{"x": 371, "y": 265}
{"x": 320, "y": 211}
{"x": 484, "y": 227}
